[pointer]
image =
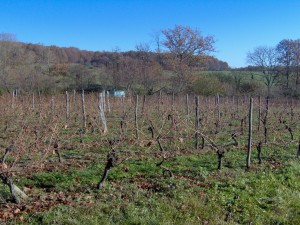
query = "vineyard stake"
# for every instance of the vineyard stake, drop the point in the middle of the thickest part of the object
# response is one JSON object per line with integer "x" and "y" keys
{"x": 187, "y": 107}
{"x": 83, "y": 111}
{"x": 135, "y": 116}
{"x": 250, "y": 134}
{"x": 197, "y": 122}
{"x": 67, "y": 105}
{"x": 101, "y": 104}
{"x": 33, "y": 101}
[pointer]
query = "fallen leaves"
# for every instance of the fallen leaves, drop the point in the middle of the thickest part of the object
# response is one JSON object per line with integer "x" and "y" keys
{"x": 3, "y": 166}
{"x": 40, "y": 203}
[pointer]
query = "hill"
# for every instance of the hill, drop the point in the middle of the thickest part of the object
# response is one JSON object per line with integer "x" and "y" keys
{"x": 27, "y": 66}
{"x": 98, "y": 58}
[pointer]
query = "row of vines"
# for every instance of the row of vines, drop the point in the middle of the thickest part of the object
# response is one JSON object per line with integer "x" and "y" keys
{"x": 40, "y": 132}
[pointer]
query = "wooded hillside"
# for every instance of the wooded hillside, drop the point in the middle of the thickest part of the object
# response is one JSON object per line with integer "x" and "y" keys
{"x": 29, "y": 66}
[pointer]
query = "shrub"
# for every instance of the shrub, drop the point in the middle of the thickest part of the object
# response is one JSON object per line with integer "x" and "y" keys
{"x": 250, "y": 87}
{"x": 208, "y": 85}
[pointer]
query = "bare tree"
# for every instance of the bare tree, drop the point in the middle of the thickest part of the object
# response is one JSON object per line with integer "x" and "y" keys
{"x": 81, "y": 75}
{"x": 156, "y": 37}
{"x": 265, "y": 58}
{"x": 9, "y": 37}
{"x": 11, "y": 61}
{"x": 149, "y": 70}
{"x": 296, "y": 60}
{"x": 142, "y": 47}
{"x": 285, "y": 58}
{"x": 184, "y": 43}
{"x": 113, "y": 68}
{"x": 237, "y": 78}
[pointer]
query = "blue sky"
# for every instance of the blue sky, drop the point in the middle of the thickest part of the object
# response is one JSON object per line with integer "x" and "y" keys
{"x": 237, "y": 25}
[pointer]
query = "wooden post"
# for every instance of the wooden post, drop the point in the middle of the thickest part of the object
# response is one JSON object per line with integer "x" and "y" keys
{"x": 40, "y": 102}
{"x": 266, "y": 120}
{"x": 107, "y": 101}
{"x": 187, "y": 107}
{"x": 292, "y": 111}
{"x": 52, "y": 106}
{"x": 237, "y": 105}
{"x": 101, "y": 104}
{"x": 218, "y": 109}
{"x": 33, "y": 101}
{"x": 74, "y": 100}
{"x": 159, "y": 100}
{"x": 103, "y": 100}
{"x": 13, "y": 100}
{"x": 143, "y": 106}
{"x": 173, "y": 100}
{"x": 74, "y": 109}
{"x": 250, "y": 134}
{"x": 67, "y": 106}
{"x": 298, "y": 152}
{"x": 123, "y": 103}
{"x": 83, "y": 111}
{"x": 259, "y": 113}
{"x": 136, "y": 117}
{"x": 197, "y": 122}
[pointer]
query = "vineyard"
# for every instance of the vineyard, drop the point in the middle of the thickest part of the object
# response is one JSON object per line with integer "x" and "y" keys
{"x": 77, "y": 158}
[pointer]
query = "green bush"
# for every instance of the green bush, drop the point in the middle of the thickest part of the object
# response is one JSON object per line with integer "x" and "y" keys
{"x": 250, "y": 87}
{"x": 208, "y": 85}
{"x": 2, "y": 91}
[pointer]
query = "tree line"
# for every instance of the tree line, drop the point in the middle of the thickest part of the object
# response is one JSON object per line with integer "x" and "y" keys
{"x": 176, "y": 65}
{"x": 180, "y": 51}
{"x": 279, "y": 66}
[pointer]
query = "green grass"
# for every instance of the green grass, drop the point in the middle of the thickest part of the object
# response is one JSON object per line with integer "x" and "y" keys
{"x": 138, "y": 191}
{"x": 196, "y": 194}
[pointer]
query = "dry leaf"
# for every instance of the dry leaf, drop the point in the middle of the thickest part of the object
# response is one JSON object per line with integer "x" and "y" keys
{"x": 3, "y": 166}
{"x": 16, "y": 211}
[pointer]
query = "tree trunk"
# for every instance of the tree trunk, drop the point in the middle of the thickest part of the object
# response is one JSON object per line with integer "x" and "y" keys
{"x": 298, "y": 152}
{"x": 111, "y": 162}
{"x": 220, "y": 156}
{"x": 104, "y": 177}
{"x": 18, "y": 196}
{"x": 259, "y": 152}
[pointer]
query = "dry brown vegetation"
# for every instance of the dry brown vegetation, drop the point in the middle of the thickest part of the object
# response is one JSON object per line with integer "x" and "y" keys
{"x": 46, "y": 134}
